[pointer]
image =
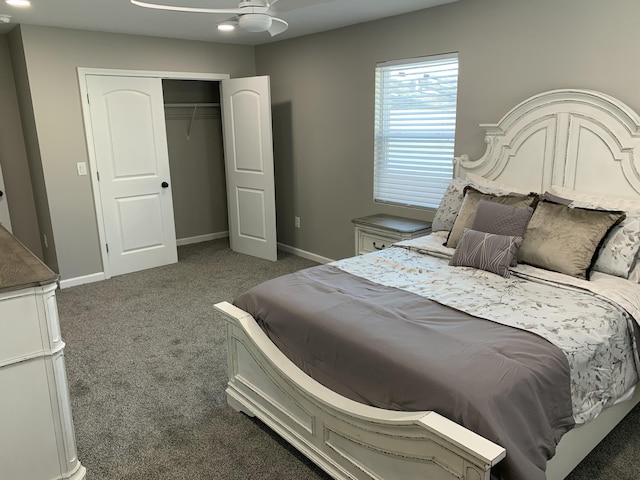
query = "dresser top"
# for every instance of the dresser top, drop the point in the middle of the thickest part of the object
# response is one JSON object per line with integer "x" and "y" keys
{"x": 19, "y": 268}
{"x": 391, "y": 222}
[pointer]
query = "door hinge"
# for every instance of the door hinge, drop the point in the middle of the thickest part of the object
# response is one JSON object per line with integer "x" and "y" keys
{"x": 107, "y": 245}
{"x": 88, "y": 99}
{"x": 98, "y": 175}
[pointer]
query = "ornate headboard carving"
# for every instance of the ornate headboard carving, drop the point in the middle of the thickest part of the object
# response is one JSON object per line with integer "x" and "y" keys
{"x": 579, "y": 139}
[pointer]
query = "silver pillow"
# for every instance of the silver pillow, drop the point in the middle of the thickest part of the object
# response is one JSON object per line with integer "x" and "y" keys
{"x": 618, "y": 253}
{"x": 486, "y": 251}
{"x": 451, "y": 202}
{"x": 565, "y": 239}
{"x": 470, "y": 204}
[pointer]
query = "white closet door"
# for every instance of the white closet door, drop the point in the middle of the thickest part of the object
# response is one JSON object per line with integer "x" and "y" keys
{"x": 248, "y": 149}
{"x": 4, "y": 205}
{"x": 130, "y": 145}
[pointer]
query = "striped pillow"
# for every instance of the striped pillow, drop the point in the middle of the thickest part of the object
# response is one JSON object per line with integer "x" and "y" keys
{"x": 486, "y": 251}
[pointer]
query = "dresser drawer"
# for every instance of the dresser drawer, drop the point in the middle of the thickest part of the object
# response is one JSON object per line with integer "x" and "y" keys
{"x": 19, "y": 329}
{"x": 29, "y": 325}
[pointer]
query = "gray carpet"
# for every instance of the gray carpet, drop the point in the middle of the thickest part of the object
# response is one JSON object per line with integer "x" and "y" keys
{"x": 146, "y": 365}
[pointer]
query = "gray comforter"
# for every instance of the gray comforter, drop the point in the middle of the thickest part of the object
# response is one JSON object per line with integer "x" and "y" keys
{"x": 394, "y": 349}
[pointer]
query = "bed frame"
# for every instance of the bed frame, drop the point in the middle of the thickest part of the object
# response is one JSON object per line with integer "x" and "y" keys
{"x": 578, "y": 139}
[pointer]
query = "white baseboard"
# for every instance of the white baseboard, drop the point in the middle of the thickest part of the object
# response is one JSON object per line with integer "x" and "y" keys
{"x": 304, "y": 254}
{"x": 201, "y": 238}
{"x": 72, "y": 282}
{"x": 96, "y": 277}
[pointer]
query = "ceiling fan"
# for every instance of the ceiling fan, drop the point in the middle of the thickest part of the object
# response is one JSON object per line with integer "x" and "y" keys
{"x": 250, "y": 15}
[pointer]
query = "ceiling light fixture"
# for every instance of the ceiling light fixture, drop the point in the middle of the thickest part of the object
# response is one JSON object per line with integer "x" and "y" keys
{"x": 255, "y": 22}
{"x": 226, "y": 27}
{"x": 18, "y": 3}
{"x": 5, "y": 18}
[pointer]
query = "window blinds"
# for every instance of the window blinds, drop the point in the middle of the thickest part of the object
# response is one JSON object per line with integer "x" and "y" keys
{"x": 415, "y": 123}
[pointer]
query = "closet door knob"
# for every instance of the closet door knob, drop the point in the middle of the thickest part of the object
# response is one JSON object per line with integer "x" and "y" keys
{"x": 164, "y": 184}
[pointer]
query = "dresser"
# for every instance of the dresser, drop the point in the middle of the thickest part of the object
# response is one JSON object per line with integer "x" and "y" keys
{"x": 37, "y": 440}
{"x": 376, "y": 232}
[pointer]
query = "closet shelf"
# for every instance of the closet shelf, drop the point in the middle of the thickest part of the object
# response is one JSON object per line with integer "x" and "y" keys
{"x": 190, "y": 105}
{"x": 195, "y": 107}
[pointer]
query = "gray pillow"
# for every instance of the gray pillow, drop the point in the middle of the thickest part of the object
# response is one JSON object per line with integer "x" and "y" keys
{"x": 500, "y": 219}
{"x": 564, "y": 239}
{"x": 470, "y": 204}
{"x": 486, "y": 251}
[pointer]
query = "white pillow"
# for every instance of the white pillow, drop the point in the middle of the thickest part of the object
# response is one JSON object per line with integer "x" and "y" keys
{"x": 596, "y": 200}
{"x": 449, "y": 206}
{"x": 619, "y": 251}
{"x": 496, "y": 187}
{"x": 634, "y": 276}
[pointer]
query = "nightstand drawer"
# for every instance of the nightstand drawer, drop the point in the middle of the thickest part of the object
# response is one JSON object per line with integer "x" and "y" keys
{"x": 370, "y": 242}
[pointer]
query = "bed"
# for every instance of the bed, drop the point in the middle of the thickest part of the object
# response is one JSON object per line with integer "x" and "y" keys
{"x": 568, "y": 145}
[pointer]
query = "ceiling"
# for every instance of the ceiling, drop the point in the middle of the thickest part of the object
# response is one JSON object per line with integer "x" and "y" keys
{"x": 120, "y": 16}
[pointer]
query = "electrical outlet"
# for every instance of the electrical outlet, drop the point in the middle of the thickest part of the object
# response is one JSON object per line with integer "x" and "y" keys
{"x": 297, "y": 222}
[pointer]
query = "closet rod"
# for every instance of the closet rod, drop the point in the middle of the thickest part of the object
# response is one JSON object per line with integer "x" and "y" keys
{"x": 189, "y": 105}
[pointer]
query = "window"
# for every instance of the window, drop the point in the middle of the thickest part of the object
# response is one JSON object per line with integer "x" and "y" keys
{"x": 415, "y": 125}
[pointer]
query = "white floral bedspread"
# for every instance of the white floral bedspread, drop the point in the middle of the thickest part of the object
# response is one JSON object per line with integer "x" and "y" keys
{"x": 590, "y": 321}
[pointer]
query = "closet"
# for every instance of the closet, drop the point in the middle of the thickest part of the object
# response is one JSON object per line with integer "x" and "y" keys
{"x": 196, "y": 159}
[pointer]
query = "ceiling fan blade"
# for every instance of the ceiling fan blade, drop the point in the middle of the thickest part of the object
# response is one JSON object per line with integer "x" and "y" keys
{"x": 277, "y": 26}
{"x": 291, "y": 5}
{"x": 158, "y": 6}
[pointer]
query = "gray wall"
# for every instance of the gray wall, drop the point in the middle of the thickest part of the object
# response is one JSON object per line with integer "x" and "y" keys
{"x": 13, "y": 158}
{"x": 323, "y": 93}
{"x": 36, "y": 171}
{"x": 51, "y": 57}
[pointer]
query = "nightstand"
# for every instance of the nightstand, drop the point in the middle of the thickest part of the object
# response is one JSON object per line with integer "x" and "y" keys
{"x": 376, "y": 232}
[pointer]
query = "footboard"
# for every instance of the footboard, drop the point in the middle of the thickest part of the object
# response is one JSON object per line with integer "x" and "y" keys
{"x": 346, "y": 439}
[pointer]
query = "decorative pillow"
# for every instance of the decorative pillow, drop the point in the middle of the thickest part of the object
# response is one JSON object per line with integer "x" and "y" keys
{"x": 470, "y": 203}
{"x": 449, "y": 206}
{"x": 500, "y": 219}
{"x": 446, "y": 213}
{"x": 619, "y": 251}
{"x": 486, "y": 251}
{"x": 618, "y": 254}
{"x": 565, "y": 239}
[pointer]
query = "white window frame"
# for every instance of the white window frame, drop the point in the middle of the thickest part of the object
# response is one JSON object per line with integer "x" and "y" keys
{"x": 414, "y": 136}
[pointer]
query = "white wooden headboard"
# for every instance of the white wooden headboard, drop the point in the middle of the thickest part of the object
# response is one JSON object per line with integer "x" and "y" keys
{"x": 578, "y": 139}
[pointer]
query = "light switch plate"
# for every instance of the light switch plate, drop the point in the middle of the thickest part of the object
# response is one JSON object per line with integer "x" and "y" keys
{"x": 82, "y": 168}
